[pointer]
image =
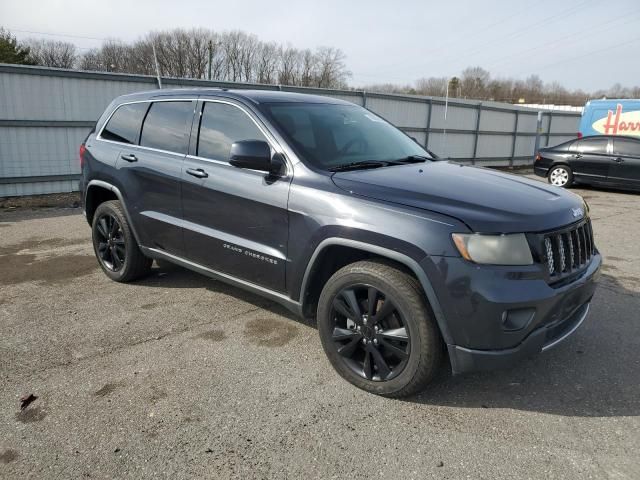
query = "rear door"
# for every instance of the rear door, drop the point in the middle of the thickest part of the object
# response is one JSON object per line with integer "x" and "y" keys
{"x": 151, "y": 172}
{"x": 625, "y": 169}
{"x": 590, "y": 159}
{"x": 235, "y": 220}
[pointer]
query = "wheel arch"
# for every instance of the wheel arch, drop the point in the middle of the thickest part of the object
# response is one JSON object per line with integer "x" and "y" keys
{"x": 99, "y": 191}
{"x": 314, "y": 274}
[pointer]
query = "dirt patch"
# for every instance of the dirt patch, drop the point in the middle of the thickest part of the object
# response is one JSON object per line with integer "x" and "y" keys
{"x": 107, "y": 389}
{"x": 31, "y": 415}
{"x": 5, "y": 225}
{"x": 635, "y": 281}
{"x": 616, "y": 259}
{"x": 70, "y": 200}
{"x": 270, "y": 333}
{"x": 157, "y": 394}
{"x": 609, "y": 268}
{"x": 216, "y": 335}
{"x": 49, "y": 270}
{"x": 41, "y": 244}
{"x": 8, "y": 456}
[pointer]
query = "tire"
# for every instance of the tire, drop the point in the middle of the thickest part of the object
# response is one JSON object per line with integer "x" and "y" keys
{"x": 560, "y": 176}
{"x": 115, "y": 246}
{"x": 349, "y": 343}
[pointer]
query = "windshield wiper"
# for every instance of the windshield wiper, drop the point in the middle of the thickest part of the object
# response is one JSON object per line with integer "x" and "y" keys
{"x": 409, "y": 159}
{"x": 358, "y": 166}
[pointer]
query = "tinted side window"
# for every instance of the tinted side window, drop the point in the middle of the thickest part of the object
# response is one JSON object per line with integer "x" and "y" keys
{"x": 221, "y": 125}
{"x": 124, "y": 124}
{"x": 623, "y": 146}
{"x": 165, "y": 127}
{"x": 593, "y": 145}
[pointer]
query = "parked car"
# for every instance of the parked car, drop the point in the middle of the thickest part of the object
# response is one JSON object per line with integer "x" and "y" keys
{"x": 610, "y": 161}
{"x": 326, "y": 208}
{"x": 610, "y": 117}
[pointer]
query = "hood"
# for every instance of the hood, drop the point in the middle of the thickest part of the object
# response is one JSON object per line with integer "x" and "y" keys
{"x": 488, "y": 201}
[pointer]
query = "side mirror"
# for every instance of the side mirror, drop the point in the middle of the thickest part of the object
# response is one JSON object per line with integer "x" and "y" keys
{"x": 254, "y": 155}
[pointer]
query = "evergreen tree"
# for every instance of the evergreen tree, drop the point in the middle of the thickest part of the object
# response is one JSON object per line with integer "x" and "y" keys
{"x": 11, "y": 51}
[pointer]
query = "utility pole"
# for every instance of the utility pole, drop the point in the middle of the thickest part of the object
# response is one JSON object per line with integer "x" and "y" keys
{"x": 210, "y": 58}
{"x": 446, "y": 109}
{"x": 155, "y": 59}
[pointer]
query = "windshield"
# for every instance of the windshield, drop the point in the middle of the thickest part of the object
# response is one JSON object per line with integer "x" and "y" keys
{"x": 330, "y": 135}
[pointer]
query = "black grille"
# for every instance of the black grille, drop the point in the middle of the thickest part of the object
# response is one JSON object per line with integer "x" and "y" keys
{"x": 568, "y": 250}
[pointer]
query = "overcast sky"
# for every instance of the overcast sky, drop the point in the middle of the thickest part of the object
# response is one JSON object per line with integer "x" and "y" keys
{"x": 589, "y": 44}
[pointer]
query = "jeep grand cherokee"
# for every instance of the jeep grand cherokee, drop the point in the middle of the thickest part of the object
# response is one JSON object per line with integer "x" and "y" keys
{"x": 326, "y": 208}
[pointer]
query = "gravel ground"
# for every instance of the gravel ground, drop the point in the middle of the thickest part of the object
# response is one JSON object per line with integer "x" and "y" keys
{"x": 180, "y": 376}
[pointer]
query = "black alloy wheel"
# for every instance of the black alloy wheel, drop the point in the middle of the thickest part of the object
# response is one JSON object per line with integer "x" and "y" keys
{"x": 369, "y": 333}
{"x": 111, "y": 247}
{"x": 115, "y": 246}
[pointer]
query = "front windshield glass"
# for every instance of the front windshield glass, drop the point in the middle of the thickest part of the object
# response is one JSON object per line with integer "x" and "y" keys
{"x": 331, "y": 135}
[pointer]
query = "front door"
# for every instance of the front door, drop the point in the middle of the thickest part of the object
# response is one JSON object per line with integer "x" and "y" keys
{"x": 235, "y": 220}
{"x": 625, "y": 169}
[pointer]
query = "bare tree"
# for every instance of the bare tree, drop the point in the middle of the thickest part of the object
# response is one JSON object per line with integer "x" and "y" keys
{"x": 433, "y": 86}
{"x": 474, "y": 81}
{"x": 267, "y": 63}
{"x": 289, "y": 66}
{"x": 52, "y": 53}
{"x": 332, "y": 70}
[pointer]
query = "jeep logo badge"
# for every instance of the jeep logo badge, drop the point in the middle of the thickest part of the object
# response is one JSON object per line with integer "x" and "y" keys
{"x": 577, "y": 212}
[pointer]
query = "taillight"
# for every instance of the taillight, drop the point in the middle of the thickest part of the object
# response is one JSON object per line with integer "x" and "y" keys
{"x": 579, "y": 134}
{"x": 81, "y": 153}
{"x": 538, "y": 157}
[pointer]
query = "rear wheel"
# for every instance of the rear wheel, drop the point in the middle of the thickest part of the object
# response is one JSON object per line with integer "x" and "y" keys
{"x": 561, "y": 176}
{"x": 377, "y": 329}
{"x": 115, "y": 246}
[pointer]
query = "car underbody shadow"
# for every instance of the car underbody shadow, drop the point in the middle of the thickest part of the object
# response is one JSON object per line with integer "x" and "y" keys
{"x": 168, "y": 275}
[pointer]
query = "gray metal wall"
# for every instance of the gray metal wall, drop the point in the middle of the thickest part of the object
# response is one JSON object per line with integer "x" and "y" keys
{"x": 46, "y": 113}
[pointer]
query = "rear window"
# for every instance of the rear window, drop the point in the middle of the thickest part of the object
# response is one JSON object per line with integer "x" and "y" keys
{"x": 624, "y": 146}
{"x": 591, "y": 145}
{"x": 124, "y": 124}
{"x": 165, "y": 126}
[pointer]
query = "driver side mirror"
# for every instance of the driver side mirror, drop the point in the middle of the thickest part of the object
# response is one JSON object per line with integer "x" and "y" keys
{"x": 255, "y": 155}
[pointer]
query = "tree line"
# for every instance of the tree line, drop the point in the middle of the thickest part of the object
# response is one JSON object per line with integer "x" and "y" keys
{"x": 477, "y": 83}
{"x": 200, "y": 53}
{"x": 237, "y": 56}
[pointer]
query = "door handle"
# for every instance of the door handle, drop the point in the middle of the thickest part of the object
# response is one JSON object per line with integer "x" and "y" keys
{"x": 619, "y": 160}
{"x": 197, "y": 172}
{"x": 577, "y": 155}
{"x": 129, "y": 158}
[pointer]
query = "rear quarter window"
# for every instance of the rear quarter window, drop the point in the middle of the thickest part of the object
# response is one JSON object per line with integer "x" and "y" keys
{"x": 124, "y": 125}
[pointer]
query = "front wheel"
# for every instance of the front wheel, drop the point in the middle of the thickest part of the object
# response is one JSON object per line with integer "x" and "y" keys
{"x": 561, "y": 176}
{"x": 377, "y": 330}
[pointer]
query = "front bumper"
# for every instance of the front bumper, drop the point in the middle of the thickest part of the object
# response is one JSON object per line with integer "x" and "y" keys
{"x": 478, "y": 304}
{"x": 546, "y": 337}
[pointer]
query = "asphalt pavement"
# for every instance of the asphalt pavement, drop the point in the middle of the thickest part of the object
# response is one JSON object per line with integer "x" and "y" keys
{"x": 180, "y": 376}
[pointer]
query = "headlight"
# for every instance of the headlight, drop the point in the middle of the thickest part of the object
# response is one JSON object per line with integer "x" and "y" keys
{"x": 511, "y": 249}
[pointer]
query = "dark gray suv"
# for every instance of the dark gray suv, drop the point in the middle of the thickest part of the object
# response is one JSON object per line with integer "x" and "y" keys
{"x": 326, "y": 208}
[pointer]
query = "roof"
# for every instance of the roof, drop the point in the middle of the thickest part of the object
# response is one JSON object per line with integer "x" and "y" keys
{"x": 254, "y": 96}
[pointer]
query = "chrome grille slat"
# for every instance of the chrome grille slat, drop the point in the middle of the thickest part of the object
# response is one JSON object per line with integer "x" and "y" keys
{"x": 568, "y": 250}
{"x": 572, "y": 253}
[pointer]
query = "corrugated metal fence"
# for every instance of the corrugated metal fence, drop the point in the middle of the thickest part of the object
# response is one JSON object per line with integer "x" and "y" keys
{"x": 45, "y": 114}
